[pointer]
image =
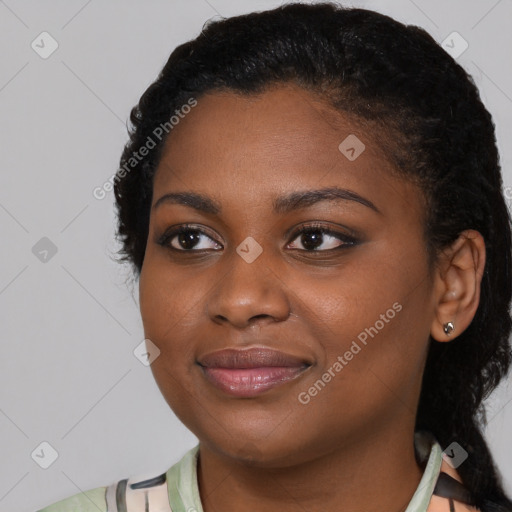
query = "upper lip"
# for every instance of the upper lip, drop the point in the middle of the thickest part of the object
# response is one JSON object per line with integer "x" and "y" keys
{"x": 254, "y": 357}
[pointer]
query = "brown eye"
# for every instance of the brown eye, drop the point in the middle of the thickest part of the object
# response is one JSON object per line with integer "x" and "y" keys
{"x": 321, "y": 238}
{"x": 188, "y": 239}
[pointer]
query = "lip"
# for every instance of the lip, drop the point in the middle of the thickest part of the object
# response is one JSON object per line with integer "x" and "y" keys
{"x": 250, "y": 372}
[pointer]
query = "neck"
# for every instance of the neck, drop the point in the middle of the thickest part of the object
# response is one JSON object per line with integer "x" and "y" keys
{"x": 372, "y": 473}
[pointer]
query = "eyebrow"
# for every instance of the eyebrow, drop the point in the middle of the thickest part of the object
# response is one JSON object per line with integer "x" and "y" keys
{"x": 282, "y": 205}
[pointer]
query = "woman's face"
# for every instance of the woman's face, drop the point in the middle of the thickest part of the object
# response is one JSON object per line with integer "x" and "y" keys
{"x": 349, "y": 309}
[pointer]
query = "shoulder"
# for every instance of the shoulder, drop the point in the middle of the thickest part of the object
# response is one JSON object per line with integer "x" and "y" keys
{"x": 441, "y": 502}
{"x": 123, "y": 496}
{"x": 163, "y": 493}
{"x": 88, "y": 501}
{"x": 438, "y": 504}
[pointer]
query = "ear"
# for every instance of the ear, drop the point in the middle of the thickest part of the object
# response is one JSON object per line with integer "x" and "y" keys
{"x": 457, "y": 285}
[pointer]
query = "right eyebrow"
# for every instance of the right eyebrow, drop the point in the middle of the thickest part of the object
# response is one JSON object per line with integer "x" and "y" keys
{"x": 199, "y": 202}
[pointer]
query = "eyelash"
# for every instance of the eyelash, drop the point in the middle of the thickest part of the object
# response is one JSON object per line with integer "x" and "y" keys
{"x": 348, "y": 240}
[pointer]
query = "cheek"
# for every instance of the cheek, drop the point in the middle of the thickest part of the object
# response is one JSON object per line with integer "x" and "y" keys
{"x": 356, "y": 325}
{"x": 168, "y": 300}
{"x": 167, "y": 316}
{"x": 373, "y": 352}
{"x": 375, "y": 314}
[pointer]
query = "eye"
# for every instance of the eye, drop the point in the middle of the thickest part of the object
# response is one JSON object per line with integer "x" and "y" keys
{"x": 312, "y": 238}
{"x": 318, "y": 238}
{"x": 187, "y": 238}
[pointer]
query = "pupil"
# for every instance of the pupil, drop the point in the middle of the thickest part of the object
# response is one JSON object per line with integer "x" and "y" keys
{"x": 188, "y": 240}
{"x": 314, "y": 236}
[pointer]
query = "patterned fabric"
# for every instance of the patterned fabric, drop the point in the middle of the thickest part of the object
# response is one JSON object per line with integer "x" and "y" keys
{"x": 148, "y": 495}
{"x": 439, "y": 489}
{"x": 177, "y": 490}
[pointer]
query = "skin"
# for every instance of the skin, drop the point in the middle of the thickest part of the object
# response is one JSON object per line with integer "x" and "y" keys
{"x": 351, "y": 446}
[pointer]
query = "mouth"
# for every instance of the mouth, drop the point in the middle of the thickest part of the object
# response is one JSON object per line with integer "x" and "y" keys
{"x": 249, "y": 372}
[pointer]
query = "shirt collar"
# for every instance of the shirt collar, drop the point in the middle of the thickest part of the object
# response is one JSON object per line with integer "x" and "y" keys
{"x": 183, "y": 486}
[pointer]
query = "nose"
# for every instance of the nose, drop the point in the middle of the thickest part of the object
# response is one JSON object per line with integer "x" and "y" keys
{"x": 248, "y": 293}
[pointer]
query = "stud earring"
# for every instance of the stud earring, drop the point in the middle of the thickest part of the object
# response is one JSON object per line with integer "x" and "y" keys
{"x": 448, "y": 328}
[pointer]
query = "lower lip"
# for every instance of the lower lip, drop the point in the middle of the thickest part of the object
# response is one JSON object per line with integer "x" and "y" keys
{"x": 250, "y": 382}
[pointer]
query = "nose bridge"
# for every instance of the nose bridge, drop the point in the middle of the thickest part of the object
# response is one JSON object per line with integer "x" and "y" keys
{"x": 248, "y": 287}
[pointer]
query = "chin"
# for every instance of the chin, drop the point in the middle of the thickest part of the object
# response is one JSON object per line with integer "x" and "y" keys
{"x": 271, "y": 453}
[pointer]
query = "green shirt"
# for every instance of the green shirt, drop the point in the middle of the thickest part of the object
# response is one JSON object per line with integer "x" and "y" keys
{"x": 177, "y": 490}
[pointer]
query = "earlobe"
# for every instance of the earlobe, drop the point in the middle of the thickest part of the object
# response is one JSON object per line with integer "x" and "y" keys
{"x": 448, "y": 327}
{"x": 458, "y": 278}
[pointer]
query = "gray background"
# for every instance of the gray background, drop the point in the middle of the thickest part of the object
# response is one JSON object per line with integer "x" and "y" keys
{"x": 70, "y": 324}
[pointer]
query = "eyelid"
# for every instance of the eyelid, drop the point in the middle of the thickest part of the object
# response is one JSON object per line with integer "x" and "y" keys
{"x": 348, "y": 239}
{"x": 329, "y": 228}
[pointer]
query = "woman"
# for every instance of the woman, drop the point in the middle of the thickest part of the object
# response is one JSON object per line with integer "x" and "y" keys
{"x": 312, "y": 201}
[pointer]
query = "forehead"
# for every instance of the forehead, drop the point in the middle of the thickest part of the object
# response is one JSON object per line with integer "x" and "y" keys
{"x": 285, "y": 117}
{"x": 286, "y": 137}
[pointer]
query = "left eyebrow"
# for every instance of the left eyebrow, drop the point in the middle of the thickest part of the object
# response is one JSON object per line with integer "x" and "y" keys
{"x": 303, "y": 199}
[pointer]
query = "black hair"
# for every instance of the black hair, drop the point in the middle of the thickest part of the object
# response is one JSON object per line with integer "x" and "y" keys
{"x": 427, "y": 111}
